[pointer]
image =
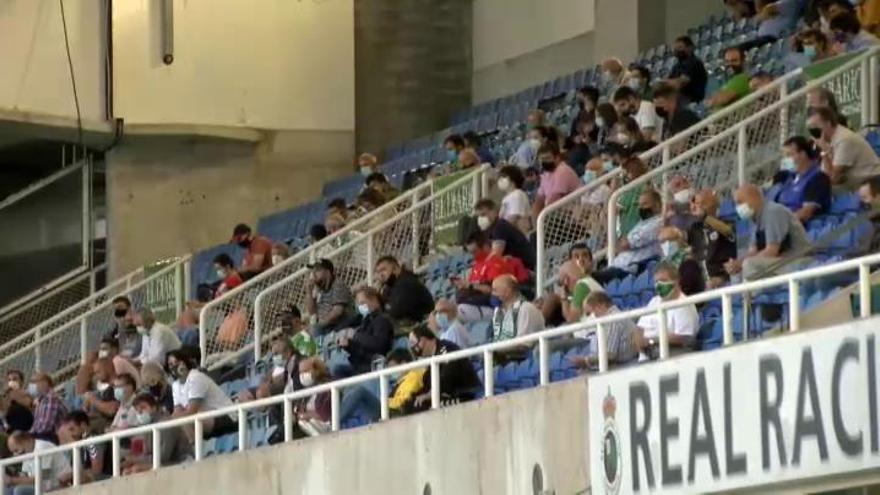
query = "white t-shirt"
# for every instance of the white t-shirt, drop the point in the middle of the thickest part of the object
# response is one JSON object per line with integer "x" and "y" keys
{"x": 200, "y": 386}
{"x": 851, "y": 151}
{"x": 52, "y": 466}
{"x": 598, "y": 196}
{"x": 683, "y": 320}
{"x": 178, "y": 395}
{"x": 515, "y": 202}
{"x": 529, "y": 319}
{"x": 647, "y": 117}
{"x": 157, "y": 342}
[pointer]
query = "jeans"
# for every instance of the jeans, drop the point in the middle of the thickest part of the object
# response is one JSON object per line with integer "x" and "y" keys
{"x": 360, "y": 398}
{"x": 19, "y": 490}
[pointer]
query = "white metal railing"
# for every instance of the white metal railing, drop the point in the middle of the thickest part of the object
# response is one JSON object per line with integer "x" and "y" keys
{"x": 406, "y": 236}
{"x": 241, "y": 299}
{"x": 573, "y": 218}
{"x": 240, "y": 411}
{"x": 62, "y": 342}
{"x": 750, "y": 150}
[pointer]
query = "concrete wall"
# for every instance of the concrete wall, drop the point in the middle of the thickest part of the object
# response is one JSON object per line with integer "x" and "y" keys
{"x": 488, "y": 447}
{"x": 36, "y": 78}
{"x": 274, "y": 64}
{"x": 413, "y": 68}
{"x": 173, "y": 195}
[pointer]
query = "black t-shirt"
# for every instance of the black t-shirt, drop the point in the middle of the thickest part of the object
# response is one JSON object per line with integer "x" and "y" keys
{"x": 374, "y": 337}
{"x": 679, "y": 121}
{"x": 712, "y": 247}
{"x": 691, "y": 67}
{"x": 18, "y": 417}
{"x": 458, "y": 379}
{"x": 408, "y": 298}
{"x": 515, "y": 242}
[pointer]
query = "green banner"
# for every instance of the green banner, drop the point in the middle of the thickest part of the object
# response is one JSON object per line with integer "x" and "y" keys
{"x": 160, "y": 295}
{"x": 846, "y": 87}
{"x": 446, "y": 211}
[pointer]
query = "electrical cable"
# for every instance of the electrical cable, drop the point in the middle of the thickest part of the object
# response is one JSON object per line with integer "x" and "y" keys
{"x": 79, "y": 128}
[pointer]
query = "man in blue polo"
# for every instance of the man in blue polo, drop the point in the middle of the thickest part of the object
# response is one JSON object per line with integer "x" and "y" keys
{"x": 806, "y": 190}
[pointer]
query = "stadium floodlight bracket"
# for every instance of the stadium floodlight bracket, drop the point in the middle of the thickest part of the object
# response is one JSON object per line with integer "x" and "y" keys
{"x": 167, "y": 31}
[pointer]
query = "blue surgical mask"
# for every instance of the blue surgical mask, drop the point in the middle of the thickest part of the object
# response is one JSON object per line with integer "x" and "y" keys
{"x": 635, "y": 84}
{"x": 442, "y": 320}
{"x": 744, "y": 211}
{"x": 589, "y": 176}
{"x": 32, "y": 390}
{"x": 608, "y": 165}
{"x": 363, "y": 309}
{"x": 810, "y": 52}
{"x": 144, "y": 418}
{"x": 451, "y": 155}
{"x": 495, "y": 302}
{"x": 788, "y": 164}
{"x": 278, "y": 361}
{"x": 669, "y": 248}
{"x": 119, "y": 394}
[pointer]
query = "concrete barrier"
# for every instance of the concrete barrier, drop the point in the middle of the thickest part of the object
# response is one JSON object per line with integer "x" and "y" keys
{"x": 534, "y": 441}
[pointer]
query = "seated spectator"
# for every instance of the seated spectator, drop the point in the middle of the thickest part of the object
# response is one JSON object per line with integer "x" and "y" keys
{"x": 676, "y": 252}
{"x": 638, "y": 78}
{"x": 583, "y": 144}
{"x": 682, "y": 322}
{"x": 776, "y": 18}
{"x": 226, "y": 272}
{"x": 278, "y": 378}
{"x": 736, "y": 85}
{"x": 677, "y": 210}
{"x": 806, "y": 190}
{"x": 458, "y": 379}
{"x": 368, "y": 164}
{"x": 606, "y": 118}
{"x": 674, "y": 112}
{"x": 338, "y": 206}
{"x": 17, "y": 404}
{"x": 453, "y": 143}
{"x": 174, "y": 445}
{"x": 296, "y": 330}
{"x": 759, "y": 79}
{"x": 557, "y": 179}
{"x": 109, "y": 349}
{"x": 329, "y": 298}
{"x": 258, "y": 251}
{"x": 313, "y": 413}
{"x": 513, "y": 317}
{"x": 121, "y": 308}
{"x": 317, "y": 232}
{"x": 154, "y": 383}
{"x": 688, "y": 78}
{"x": 612, "y": 74}
{"x": 630, "y": 104}
{"x": 640, "y": 245}
{"x": 280, "y": 252}
{"x": 52, "y": 467}
{"x": 824, "y": 98}
{"x": 628, "y": 202}
{"x": 776, "y": 234}
{"x": 334, "y": 222}
{"x": 404, "y": 390}
{"x": 576, "y": 283}
{"x": 713, "y": 240}
{"x": 156, "y": 337}
{"x": 848, "y": 34}
{"x": 444, "y": 322}
{"x": 126, "y": 336}
{"x": 829, "y": 9}
{"x": 124, "y": 391}
{"x": 370, "y": 200}
{"x": 814, "y": 45}
{"x": 527, "y": 153}
{"x": 472, "y": 141}
{"x": 99, "y": 400}
{"x": 96, "y": 459}
{"x": 869, "y": 14}
{"x": 514, "y": 241}
{"x": 869, "y": 196}
{"x": 48, "y": 407}
{"x": 515, "y": 206}
{"x": 847, "y": 158}
{"x": 407, "y": 300}
{"x": 373, "y": 337}
{"x": 627, "y": 134}
{"x": 597, "y": 167}
{"x": 620, "y": 335}
{"x": 199, "y": 393}
{"x": 473, "y": 294}
{"x": 381, "y": 184}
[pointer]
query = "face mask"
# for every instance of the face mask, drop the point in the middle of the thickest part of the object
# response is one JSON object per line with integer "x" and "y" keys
{"x": 277, "y": 259}
{"x": 442, "y": 320}
{"x": 645, "y": 213}
{"x": 663, "y": 289}
{"x": 623, "y": 138}
{"x": 504, "y": 184}
{"x": 120, "y": 312}
{"x": 180, "y": 372}
{"x": 600, "y": 122}
{"x": 102, "y": 386}
{"x": 363, "y": 309}
{"x": 483, "y": 222}
{"x": 495, "y": 302}
{"x": 144, "y": 418}
{"x": 589, "y": 176}
{"x": 278, "y": 361}
{"x": 13, "y": 385}
{"x": 732, "y": 70}
{"x": 119, "y": 394}
{"x": 661, "y": 112}
{"x": 607, "y": 76}
{"x": 683, "y": 197}
{"x": 680, "y": 54}
{"x": 306, "y": 379}
{"x": 535, "y": 143}
{"x": 788, "y": 164}
{"x": 634, "y": 84}
{"x": 244, "y": 244}
{"x": 451, "y": 155}
{"x": 810, "y": 52}
{"x": 744, "y": 211}
{"x": 142, "y": 330}
{"x": 815, "y": 132}
{"x": 221, "y": 273}
{"x": 548, "y": 166}
{"x": 668, "y": 248}
{"x": 365, "y": 171}
{"x": 103, "y": 354}
{"x": 608, "y": 165}
{"x": 32, "y": 390}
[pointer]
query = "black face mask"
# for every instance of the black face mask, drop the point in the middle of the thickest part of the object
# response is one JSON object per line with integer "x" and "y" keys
{"x": 548, "y": 166}
{"x": 661, "y": 112}
{"x": 244, "y": 243}
{"x": 680, "y": 54}
{"x": 120, "y": 312}
{"x": 391, "y": 279}
{"x": 645, "y": 213}
{"x": 156, "y": 390}
{"x": 815, "y": 132}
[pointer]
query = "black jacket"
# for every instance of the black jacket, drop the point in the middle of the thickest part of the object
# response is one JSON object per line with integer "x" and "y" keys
{"x": 407, "y": 298}
{"x": 458, "y": 379}
{"x": 374, "y": 337}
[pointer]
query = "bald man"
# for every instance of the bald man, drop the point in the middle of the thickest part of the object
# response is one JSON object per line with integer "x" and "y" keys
{"x": 444, "y": 322}
{"x": 712, "y": 240}
{"x": 52, "y": 467}
{"x": 514, "y": 317}
{"x": 776, "y": 234}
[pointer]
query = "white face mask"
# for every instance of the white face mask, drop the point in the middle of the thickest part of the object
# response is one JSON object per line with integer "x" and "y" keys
{"x": 142, "y": 330}
{"x": 504, "y": 184}
{"x": 366, "y": 170}
{"x": 276, "y": 259}
{"x": 103, "y": 354}
{"x": 13, "y": 385}
{"x": 600, "y": 122}
{"x": 102, "y": 386}
{"x": 668, "y": 248}
{"x": 483, "y": 222}
{"x": 221, "y": 273}
{"x": 683, "y": 197}
{"x": 306, "y": 379}
{"x": 535, "y": 143}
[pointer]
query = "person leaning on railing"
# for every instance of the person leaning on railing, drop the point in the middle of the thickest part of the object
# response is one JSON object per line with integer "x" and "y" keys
{"x": 712, "y": 240}
{"x": 620, "y": 336}
{"x": 198, "y": 393}
{"x": 174, "y": 445}
{"x": 458, "y": 379}
{"x": 52, "y": 467}
{"x": 682, "y": 323}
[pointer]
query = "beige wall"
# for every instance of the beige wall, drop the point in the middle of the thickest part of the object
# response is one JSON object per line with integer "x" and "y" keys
{"x": 35, "y": 75}
{"x": 172, "y": 195}
{"x": 490, "y": 447}
{"x": 274, "y": 64}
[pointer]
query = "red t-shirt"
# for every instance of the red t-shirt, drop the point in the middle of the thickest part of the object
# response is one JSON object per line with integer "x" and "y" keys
{"x": 487, "y": 268}
{"x": 260, "y": 245}
{"x": 229, "y": 283}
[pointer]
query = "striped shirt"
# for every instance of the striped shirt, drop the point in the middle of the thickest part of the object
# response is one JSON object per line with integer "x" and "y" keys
{"x": 47, "y": 414}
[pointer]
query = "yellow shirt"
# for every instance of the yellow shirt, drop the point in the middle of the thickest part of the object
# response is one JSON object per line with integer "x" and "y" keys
{"x": 407, "y": 388}
{"x": 869, "y": 15}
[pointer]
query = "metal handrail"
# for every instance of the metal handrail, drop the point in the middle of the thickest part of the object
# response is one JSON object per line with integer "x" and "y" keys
{"x": 726, "y": 294}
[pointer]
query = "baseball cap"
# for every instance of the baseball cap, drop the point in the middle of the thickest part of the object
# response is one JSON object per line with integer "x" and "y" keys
{"x": 322, "y": 263}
